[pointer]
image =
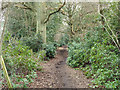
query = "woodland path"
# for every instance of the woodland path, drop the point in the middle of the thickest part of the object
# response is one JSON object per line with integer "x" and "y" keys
{"x": 57, "y": 74}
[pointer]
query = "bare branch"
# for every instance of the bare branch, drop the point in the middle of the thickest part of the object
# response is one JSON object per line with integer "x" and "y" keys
{"x": 24, "y": 6}
{"x": 62, "y": 12}
{"x": 54, "y": 13}
{"x": 116, "y": 42}
{"x": 28, "y": 7}
{"x": 5, "y": 6}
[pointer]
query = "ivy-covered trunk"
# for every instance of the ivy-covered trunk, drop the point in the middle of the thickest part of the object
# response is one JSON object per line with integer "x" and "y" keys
{"x": 40, "y": 18}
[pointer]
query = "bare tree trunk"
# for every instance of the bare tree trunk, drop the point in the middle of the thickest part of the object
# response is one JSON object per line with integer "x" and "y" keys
{"x": 40, "y": 16}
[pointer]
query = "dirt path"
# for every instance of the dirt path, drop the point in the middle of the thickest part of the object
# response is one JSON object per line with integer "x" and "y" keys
{"x": 57, "y": 74}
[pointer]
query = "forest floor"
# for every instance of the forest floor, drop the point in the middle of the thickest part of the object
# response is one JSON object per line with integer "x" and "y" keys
{"x": 57, "y": 74}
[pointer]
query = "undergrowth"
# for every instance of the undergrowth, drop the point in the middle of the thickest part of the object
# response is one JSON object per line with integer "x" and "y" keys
{"x": 98, "y": 58}
{"x": 21, "y": 62}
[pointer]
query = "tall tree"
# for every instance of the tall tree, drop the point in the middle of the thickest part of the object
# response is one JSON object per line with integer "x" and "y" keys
{"x": 40, "y": 18}
{"x": 40, "y": 9}
{"x": 1, "y": 58}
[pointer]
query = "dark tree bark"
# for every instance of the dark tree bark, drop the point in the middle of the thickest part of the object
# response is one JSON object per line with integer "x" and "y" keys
{"x": 102, "y": 18}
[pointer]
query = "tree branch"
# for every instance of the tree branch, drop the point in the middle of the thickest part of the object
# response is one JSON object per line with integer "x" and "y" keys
{"x": 116, "y": 42}
{"x": 5, "y": 6}
{"x": 28, "y": 7}
{"x": 19, "y": 5}
{"x": 24, "y": 6}
{"x": 62, "y": 12}
{"x": 54, "y": 13}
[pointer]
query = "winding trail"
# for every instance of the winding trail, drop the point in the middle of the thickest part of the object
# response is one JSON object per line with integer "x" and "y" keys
{"x": 57, "y": 74}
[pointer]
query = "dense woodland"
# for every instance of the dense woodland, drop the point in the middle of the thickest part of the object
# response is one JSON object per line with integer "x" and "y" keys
{"x": 31, "y": 32}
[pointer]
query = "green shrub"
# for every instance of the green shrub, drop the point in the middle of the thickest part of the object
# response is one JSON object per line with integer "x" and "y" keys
{"x": 50, "y": 49}
{"x": 35, "y": 42}
{"x": 21, "y": 61}
{"x": 39, "y": 55}
{"x": 98, "y": 58}
{"x": 19, "y": 58}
